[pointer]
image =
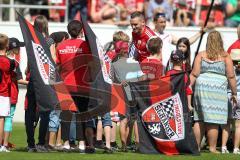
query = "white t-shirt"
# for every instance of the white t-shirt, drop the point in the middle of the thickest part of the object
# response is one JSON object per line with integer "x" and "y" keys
{"x": 167, "y": 47}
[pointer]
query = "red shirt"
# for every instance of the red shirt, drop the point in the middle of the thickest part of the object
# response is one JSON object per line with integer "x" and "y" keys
{"x": 15, "y": 76}
{"x": 186, "y": 80}
{"x": 140, "y": 41}
{"x": 5, "y": 84}
{"x": 73, "y": 56}
{"x": 153, "y": 68}
{"x": 235, "y": 45}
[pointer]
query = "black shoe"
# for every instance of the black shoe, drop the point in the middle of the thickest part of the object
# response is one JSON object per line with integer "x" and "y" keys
{"x": 90, "y": 150}
{"x": 50, "y": 148}
{"x": 31, "y": 149}
{"x": 115, "y": 147}
{"x": 124, "y": 149}
{"x": 99, "y": 145}
{"x": 107, "y": 150}
{"x": 41, "y": 148}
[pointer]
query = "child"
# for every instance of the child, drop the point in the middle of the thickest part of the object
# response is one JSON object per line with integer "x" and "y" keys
{"x": 152, "y": 66}
{"x": 16, "y": 77}
{"x": 177, "y": 59}
{"x": 6, "y": 66}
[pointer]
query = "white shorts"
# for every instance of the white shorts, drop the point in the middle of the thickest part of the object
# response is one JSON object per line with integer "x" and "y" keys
{"x": 4, "y": 106}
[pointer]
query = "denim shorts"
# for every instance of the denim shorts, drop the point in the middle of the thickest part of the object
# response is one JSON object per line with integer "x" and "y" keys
{"x": 54, "y": 120}
{"x": 106, "y": 120}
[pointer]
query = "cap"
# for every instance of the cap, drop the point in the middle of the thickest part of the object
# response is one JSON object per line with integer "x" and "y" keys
{"x": 15, "y": 43}
{"x": 177, "y": 56}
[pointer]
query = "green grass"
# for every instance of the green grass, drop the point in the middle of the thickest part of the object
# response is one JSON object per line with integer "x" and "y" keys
{"x": 19, "y": 138}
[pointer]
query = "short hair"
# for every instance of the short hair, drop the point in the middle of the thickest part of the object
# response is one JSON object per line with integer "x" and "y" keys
{"x": 137, "y": 14}
{"x": 154, "y": 44}
{"x": 120, "y": 36}
{"x": 41, "y": 25}
{"x": 74, "y": 28}
{"x": 59, "y": 36}
{"x": 159, "y": 15}
{"x": 3, "y": 41}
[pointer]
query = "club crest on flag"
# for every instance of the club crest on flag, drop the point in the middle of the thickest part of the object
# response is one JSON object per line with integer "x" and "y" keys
{"x": 164, "y": 120}
{"x": 45, "y": 66}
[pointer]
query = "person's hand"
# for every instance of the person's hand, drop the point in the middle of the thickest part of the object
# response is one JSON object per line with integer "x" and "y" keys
{"x": 234, "y": 100}
{"x": 190, "y": 108}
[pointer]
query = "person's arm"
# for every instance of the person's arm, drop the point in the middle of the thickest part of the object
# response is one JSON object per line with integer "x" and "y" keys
{"x": 22, "y": 81}
{"x": 189, "y": 99}
{"x": 140, "y": 6}
{"x": 231, "y": 9}
{"x": 53, "y": 52}
{"x": 196, "y": 69}
{"x": 192, "y": 39}
{"x": 231, "y": 78}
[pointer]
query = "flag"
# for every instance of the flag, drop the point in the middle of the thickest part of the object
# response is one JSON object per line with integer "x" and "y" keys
{"x": 49, "y": 90}
{"x": 164, "y": 121}
{"x": 104, "y": 95}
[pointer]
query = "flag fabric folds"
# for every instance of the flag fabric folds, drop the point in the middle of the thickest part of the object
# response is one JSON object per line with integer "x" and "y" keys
{"x": 49, "y": 90}
{"x": 165, "y": 125}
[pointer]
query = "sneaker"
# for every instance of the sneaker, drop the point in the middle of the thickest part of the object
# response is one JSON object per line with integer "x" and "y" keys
{"x": 4, "y": 149}
{"x": 99, "y": 145}
{"x": 41, "y": 148}
{"x": 90, "y": 150}
{"x": 59, "y": 147}
{"x": 236, "y": 151}
{"x": 66, "y": 148}
{"x": 50, "y": 148}
{"x": 31, "y": 149}
{"x": 82, "y": 151}
{"x": 107, "y": 150}
{"x": 224, "y": 150}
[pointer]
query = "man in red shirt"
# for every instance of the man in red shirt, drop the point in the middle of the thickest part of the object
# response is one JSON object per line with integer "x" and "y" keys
{"x": 76, "y": 77}
{"x": 140, "y": 35}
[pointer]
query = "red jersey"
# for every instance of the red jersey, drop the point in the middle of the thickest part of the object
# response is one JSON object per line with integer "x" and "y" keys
{"x": 153, "y": 68}
{"x": 5, "y": 79}
{"x": 73, "y": 56}
{"x": 235, "y": 45}
{"x": 140, "y": 41}
{"x": 15, "y": 76}
{"x": 186, "y": 80}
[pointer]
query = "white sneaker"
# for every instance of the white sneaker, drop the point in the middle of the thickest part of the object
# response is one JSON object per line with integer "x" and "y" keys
{"x": 224, "y": 150}
{"x": 4, "y": 149}
{"x": 236, "y": 151}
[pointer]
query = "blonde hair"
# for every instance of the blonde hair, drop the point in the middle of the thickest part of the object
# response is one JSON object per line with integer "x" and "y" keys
{"x": 214, "y": 47}
{"x": 3, "y": 41}
{"x": 120, "y": 36}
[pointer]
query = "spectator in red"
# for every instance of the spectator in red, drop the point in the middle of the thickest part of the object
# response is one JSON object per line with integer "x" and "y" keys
{"x": 131, "y": 5}
{"x": 216, "y": 18}
{"x": 102, "y": 11}
{"x": 140, "y": 35}
{"x": 152, "y": 65}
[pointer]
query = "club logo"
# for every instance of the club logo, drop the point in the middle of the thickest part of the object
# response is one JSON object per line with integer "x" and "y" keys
{"x": 164, "y": 120}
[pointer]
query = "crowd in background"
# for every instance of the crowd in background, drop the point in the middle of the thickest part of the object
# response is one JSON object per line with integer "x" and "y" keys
{"x": 178, "y": 12}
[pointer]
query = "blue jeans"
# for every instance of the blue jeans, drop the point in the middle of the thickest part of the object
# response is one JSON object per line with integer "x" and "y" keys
{"x": 54, "y": 120}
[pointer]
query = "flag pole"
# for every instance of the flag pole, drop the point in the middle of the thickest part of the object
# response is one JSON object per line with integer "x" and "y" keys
{"x": 205, "y": 24}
